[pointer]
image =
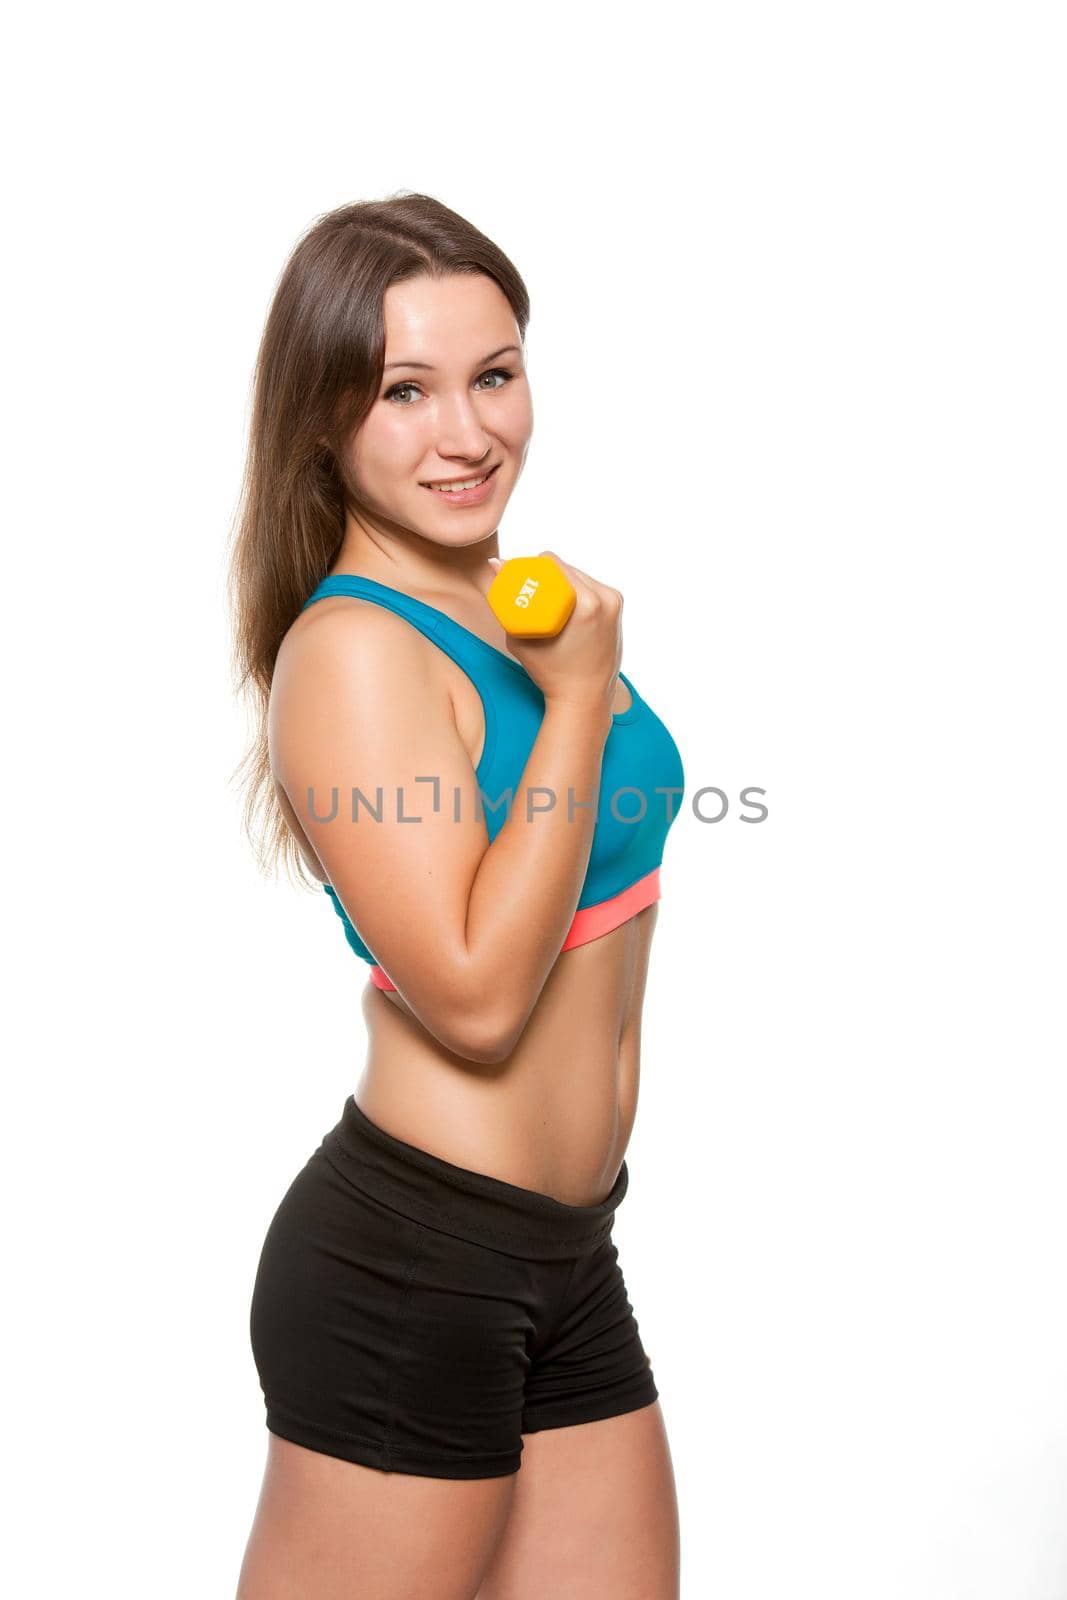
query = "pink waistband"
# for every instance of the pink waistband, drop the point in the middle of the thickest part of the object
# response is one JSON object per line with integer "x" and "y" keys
{"x": 592, "y": 922}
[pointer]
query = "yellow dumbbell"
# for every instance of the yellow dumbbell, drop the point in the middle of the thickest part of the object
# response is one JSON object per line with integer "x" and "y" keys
{"x": 531, "y": 596}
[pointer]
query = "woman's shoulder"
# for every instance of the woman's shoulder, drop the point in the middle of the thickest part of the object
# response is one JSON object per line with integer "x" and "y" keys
{"x": 352, "y": 632}
{"x": 355, "y": 674}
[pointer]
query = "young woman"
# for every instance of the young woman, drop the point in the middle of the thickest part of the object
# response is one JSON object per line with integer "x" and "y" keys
{"x": 438, "y": 1301}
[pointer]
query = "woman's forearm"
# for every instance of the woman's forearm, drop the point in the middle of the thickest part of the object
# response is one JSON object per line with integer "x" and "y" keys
{"x": 529, "y": 881}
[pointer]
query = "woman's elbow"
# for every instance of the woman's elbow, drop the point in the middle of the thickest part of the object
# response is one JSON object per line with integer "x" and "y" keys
{"x": 480, "y": 1026}
{"x": 478, "y": 1033}
{"x": 470, "y": 1019}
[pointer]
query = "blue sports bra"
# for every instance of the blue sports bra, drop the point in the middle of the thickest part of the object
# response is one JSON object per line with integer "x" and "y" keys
{"x": 641, "y": 784}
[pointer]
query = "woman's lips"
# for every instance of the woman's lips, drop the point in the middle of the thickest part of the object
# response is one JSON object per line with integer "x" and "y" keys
{"x": 466, "y": 497}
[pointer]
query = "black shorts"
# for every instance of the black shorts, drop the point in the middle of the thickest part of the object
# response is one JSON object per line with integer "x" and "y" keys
{"x": 419, "y": 1317}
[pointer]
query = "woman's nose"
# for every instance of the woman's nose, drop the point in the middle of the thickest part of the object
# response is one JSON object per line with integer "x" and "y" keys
{"x": 461, "y": 432}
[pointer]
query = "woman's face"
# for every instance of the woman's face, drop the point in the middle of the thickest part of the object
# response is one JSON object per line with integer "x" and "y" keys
{"x": 454, "y": 403}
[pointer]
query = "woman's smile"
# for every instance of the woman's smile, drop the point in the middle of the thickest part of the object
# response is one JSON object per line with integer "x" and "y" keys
{"x": 466, "y": 496}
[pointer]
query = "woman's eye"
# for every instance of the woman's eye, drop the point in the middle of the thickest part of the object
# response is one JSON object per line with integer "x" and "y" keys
{"x": 400, "y": 388}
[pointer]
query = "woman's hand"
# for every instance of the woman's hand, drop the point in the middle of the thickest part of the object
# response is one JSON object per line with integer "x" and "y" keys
{"x": 580, "y": 664}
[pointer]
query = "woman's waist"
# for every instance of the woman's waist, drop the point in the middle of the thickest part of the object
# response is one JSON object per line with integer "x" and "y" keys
{"x": 557, "y": 1122}
{"x": 556, "y": 1114}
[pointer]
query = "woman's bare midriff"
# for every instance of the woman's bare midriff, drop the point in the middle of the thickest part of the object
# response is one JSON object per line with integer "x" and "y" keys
{"x": 557, "y": 1114}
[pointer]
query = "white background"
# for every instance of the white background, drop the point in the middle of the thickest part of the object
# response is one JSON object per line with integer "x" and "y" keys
{"x": 797, "y": 351}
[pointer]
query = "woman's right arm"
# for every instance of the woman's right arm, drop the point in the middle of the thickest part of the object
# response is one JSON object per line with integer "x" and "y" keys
{"x": 467, "y": 931}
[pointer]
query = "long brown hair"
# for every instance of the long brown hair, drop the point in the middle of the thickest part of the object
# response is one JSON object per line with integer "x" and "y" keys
{"x": 317, "y": 374}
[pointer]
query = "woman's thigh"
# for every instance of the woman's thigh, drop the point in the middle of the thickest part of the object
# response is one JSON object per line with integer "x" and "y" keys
{"x": 330, "y": 1529}
{"x": 595, "y": 1513}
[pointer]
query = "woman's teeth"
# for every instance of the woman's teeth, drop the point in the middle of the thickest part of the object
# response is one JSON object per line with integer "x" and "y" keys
{"x": 455, "y": 488}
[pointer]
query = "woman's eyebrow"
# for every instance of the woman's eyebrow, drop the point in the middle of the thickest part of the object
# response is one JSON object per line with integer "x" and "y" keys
{"x": 426, "y": 367}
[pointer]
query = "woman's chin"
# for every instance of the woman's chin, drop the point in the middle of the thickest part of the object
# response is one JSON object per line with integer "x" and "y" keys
{"x": 451, "y": 529}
